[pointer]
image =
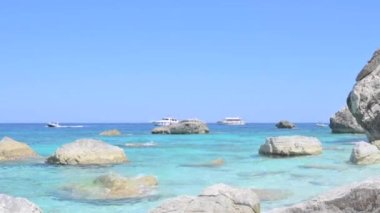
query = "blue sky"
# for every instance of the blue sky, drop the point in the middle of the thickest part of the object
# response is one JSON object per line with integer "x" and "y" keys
{"x": 136, "y": 61}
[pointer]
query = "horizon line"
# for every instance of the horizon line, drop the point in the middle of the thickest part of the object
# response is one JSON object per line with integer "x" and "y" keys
{"x": 208, "y": 122}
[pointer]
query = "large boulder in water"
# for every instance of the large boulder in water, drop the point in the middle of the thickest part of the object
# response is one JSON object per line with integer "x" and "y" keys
{"x": 87, "y": 152}
{"x": 14, "y": 150}
{"x": 285, "y": 125}
{"x": 217, "y": 198}
{"x": 291, "y": 146}
{"x": 9, "y": 204}
{"x": 344, "y": 122}
{"x": 183, "y": 127}
{"x": 114, "y": 187}
{"x": 112, "y": 132}
{"x": 364, "y": 99}
{"x": 361, "y": 197}
{"x": 365, "y": 153}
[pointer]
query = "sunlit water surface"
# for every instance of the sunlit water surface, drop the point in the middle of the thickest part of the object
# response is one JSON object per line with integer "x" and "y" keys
{"x": 300, "y": 177}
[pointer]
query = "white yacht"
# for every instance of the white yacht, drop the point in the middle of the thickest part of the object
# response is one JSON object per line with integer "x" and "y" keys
{"x": 57, "y": 125}
{"x": 165, "y": 121}
{"x": 232, "y": 121}
{"x": 53, "y": 125}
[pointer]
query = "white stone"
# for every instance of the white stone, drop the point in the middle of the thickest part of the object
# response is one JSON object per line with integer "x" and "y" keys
{"x": 9, "y": 204}
{"x": 87, "y": 151}
{"x": 14, "y": 150}
{"x": 365, "y": 153}
{"x": 291, "y": 146}
{"x": 215, "y": 199}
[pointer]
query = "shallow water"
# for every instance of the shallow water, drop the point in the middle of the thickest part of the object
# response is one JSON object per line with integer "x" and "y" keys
{"x": 300, "y": 177}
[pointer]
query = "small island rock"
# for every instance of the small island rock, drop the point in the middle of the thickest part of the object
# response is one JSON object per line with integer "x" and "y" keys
{"x": 365, "y": 153}
{"x": 112, "y": 132}
{"x": 87, "y": 152}
{"x": 217, "y": 198}
{"x": 183, "y": 127}
{"x": 9, "y": 204}
{"x": 291, "y": 146}
{"x": 344, "y": 122}
{"x": 285, "y": 125}
{"x": 14, "y": 150}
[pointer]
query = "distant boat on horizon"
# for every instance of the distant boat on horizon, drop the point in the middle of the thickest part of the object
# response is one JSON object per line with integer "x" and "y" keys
{"x": 53, "y": 125}
{"x": 57, "y": 125}
{"x": 234, "y": 121}
{"x": 322, "y": 124}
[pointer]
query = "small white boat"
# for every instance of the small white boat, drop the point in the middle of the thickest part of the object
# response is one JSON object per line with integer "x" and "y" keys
{"x": 321, "y": 125}
{"x": 167, "y": 121}
{"x": 53, "y": 125}
{"x": 232, "y": 121}
{"x": 57, "y": 125}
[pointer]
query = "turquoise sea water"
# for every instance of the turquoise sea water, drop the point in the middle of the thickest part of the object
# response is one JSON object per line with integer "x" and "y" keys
{"x": 300, "y": 177}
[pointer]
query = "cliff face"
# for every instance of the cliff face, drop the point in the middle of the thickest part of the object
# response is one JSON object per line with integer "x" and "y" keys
{"x": 364, "y": 99}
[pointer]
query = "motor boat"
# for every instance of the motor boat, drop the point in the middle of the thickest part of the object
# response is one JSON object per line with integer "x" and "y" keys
{"x": 321, "y": 125}
{"x": 167, "y": 121}
{"x": 232, "y": 121}
{"x": 53, "y": 125}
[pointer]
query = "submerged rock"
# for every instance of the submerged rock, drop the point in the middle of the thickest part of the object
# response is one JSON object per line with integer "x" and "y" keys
{"x": 365, "y": 153}
{"x": 285, "y": 125}
{"x": 9, "y": 204}
{"x": 358, "y": 197}
{"x": 14, "y": 150}
{"x": 87, "y": 152}
{"x": 344, "y": 122}
{"x": 214, "y": 163}
{"x": 291, "y": 146}
{"x": 183, "y": 127}
{"x": 114, "y": 187}
{"x": 322, "y": 167}
{"x": 112, "y": 132}
{"x": 260, "y": 174}
{"x": 217, "y": 198}
{"x": 364, "y": 99}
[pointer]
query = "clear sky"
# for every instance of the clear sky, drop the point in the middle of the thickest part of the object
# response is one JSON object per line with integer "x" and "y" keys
{"x": 136, "y": 61}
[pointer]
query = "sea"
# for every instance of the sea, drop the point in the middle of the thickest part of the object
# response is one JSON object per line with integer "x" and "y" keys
{"x": 177, "y": 162}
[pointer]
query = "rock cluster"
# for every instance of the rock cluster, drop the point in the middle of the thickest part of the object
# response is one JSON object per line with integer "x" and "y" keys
{"x": 217, "y": 198}
{"x": 9, "y": 204}
{"x": 344, "y": 122}
{"x": 291, "y": 146}
{"x": 285, "y": 125}
{"x": 14, "y": 150}
{"x": 87, "y": 152}
{"x": 364, "y": 99}
{"x": 358, "y": 197}
{"x": 183, "y": 127}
